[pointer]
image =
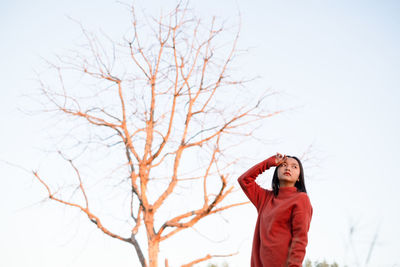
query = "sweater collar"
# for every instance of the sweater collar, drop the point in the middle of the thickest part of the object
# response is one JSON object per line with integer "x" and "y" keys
{"x": 286, "y": 191}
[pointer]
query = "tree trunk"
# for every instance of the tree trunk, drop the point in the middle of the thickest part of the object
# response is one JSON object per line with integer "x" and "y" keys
{"x": 153, "y": 252}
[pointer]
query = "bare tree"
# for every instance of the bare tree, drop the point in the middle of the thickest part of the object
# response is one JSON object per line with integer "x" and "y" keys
{"x": 164, "y": 108}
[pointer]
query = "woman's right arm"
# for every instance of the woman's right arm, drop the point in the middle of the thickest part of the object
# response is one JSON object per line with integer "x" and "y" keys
{"x": 248, "y": 179}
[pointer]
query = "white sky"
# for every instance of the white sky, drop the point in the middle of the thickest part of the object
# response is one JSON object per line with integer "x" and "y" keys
{"x": 337, "y": 62}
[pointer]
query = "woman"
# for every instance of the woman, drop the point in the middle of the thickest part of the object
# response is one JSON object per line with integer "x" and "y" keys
{"x": 284, "y": 213}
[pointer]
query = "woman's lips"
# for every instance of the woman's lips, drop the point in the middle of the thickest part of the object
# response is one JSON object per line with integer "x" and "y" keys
{"x": 287, "y": 173}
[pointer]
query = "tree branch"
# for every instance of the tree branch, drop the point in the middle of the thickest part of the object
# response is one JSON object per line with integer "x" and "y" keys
{"x": 93, "y": 218}
{"x": 205, "y": 258}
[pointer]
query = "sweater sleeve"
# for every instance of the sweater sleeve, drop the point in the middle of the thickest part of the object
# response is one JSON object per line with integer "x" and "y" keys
{"x": 301, "y": 218}
{"x": 247, "y": 181}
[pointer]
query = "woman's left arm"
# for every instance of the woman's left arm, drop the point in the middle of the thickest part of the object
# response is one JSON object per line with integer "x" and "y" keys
{"x": 301, "y": 218}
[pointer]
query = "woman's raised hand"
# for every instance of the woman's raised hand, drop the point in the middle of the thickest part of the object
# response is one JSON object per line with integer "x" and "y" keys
{"x": 279, "y": 159}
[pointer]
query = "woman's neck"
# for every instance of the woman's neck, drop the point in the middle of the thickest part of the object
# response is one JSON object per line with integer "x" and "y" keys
{"x": 286, "y": 184}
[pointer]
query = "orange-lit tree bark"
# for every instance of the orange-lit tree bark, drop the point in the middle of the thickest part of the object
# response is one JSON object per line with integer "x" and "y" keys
{"x": 164, "y": 94}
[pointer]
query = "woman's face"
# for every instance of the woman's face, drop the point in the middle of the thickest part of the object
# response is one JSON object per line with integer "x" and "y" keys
{"x": 288, "y": 172}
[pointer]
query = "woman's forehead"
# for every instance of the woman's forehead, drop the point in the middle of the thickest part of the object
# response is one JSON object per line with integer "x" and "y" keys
{"x": 291, "y": 161}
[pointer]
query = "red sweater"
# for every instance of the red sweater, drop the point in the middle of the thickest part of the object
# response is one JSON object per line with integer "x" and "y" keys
{"x": 280, "y": 237}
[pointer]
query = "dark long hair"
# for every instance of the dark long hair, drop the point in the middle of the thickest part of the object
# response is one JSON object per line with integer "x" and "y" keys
{"x": 301, "y": 186}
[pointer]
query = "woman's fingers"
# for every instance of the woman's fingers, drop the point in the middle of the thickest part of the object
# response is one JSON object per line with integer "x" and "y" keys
{"x": 279, "y": 158}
